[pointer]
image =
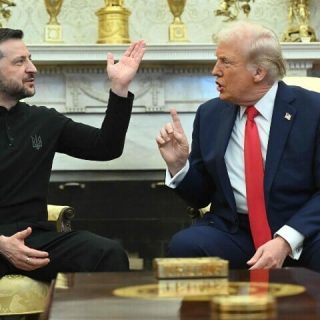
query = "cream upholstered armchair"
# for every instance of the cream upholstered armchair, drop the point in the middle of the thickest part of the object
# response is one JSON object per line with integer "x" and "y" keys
{"x": 310, "y": 83}
{"x": 62, "y": 215}
{"x": 194, "y": 213}
{"x": 22, "y": 296}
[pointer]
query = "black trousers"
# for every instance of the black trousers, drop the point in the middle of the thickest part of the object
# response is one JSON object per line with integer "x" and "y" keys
{"x": 74, "y": 251}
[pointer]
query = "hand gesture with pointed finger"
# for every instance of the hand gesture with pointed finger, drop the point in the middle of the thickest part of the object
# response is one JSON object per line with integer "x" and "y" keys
{"x": 173, "y": 144}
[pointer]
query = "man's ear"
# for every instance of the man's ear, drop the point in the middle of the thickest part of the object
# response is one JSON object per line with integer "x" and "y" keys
{"x": 259, "y": 74}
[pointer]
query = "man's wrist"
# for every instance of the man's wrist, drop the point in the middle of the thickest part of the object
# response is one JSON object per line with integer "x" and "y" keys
{"x": 173, "y": 182}
{"x": 284, "y": 244}
{"x": 121, "y": 91}
{"x": 294, "y": 238}
{"x": 174, "y": 169}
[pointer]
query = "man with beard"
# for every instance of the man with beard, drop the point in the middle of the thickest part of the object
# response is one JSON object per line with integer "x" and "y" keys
{"x": 29, "y": 138}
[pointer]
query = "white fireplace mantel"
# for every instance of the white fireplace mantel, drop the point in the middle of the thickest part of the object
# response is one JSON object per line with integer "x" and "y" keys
{"x": 203, "y": 53}
{"x": 72, "y": 79}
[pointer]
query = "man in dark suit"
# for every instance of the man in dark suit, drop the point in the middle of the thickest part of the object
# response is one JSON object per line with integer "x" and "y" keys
{"x": 283, "y": 228}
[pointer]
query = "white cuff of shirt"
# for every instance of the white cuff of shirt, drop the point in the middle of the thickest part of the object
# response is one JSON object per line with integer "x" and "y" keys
{"x": 173, "y": 182}
{"x": 294, "y": 238}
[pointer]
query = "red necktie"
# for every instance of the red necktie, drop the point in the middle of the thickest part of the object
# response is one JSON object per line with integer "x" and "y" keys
{"x": 254, "y": 172}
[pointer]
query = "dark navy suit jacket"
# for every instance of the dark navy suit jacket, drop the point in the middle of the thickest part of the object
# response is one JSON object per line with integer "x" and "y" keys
{"x": 292, "y": 168}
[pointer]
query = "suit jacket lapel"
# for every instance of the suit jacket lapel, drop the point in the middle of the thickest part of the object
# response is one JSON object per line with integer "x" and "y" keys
{"x": 282, "y": 121}
{"x": 228, "y": 115}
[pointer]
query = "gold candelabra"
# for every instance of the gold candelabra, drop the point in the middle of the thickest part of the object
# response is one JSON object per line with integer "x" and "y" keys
{"x": 231, "y": 8}
{"x": 4, "y": 9}
{"x": 177, "y": 29}
{"x": 298, "y": 23}
{"x": 53, "y": 29}
{"x": 113, "y": 22}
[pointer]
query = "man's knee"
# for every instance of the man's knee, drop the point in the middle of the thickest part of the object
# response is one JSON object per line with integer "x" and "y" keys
{"x": 104, "y": 254}
{"x": 114, "y": 258}
{"x": 182, "y": 245}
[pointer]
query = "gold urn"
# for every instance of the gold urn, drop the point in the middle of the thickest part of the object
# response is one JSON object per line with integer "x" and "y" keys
{"x": 299, "y": 29}
{"x": 177, "y": 29}
{"x": 53, "y": 29}
{"x": 113, "y": 22}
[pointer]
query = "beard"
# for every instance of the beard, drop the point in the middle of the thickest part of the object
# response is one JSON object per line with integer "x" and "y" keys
{"x": 15, "y": 90}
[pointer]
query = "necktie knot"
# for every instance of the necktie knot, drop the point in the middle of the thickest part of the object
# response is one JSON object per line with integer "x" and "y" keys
{"x": 251, "y": 112}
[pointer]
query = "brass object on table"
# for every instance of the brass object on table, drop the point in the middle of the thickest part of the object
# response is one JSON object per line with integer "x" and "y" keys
{"x": 298, "y": 23}
{"x": 192, "y": 288}
{"x": 238, "y": 307}
{"x": 53, "y": 29}
{"x": 231, "y": 8}
{"x": 4, "y": 11}
{"x": 204, "y": 267}
{"x": 177, "y": 29}
{"x": 207, "y": 289}
{"x": 113, "y": 22}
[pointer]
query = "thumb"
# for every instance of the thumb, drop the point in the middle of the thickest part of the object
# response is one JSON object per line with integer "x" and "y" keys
{"x": 110, "y": 58}
{"x": 23, "y": 234}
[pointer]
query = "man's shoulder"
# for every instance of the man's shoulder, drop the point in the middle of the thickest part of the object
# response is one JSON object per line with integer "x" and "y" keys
{"x": 43, "y": 114}
{"x": 38, "y": 109}
{"x": 298, "y": 91}
{"x": 215, "y": 105}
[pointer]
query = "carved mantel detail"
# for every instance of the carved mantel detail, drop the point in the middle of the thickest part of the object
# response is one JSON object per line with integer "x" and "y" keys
{"x": 72, "y": 79}
{"x": 299, "y": 67}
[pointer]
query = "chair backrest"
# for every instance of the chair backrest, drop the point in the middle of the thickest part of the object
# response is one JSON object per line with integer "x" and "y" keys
{"x": 310, "y": 83}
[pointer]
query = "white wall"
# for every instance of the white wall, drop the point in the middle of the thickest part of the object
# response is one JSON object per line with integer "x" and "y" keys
{"x": 149, "y": 19}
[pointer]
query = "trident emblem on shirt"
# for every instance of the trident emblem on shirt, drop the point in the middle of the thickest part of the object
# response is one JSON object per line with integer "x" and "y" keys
{"x": 36, "y": 142}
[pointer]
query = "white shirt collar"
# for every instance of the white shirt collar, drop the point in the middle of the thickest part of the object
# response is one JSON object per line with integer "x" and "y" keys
{"x": 266, "y": 104}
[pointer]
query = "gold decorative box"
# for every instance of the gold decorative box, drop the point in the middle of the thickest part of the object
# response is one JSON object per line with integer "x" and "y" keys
{"x": 239, "y": 307}
{"x": 198, "y": 288}
{"x": 204, "y": 267}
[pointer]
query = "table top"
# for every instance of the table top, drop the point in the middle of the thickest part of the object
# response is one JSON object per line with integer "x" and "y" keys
{"x": 139, "y": 295}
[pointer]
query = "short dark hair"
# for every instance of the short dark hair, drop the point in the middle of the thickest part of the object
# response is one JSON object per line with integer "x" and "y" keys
{"x": 7, "y": 34}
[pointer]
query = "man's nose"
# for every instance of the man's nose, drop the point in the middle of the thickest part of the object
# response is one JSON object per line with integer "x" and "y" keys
{"x": 31, "y": 67}
{"x": 216, "y": 71}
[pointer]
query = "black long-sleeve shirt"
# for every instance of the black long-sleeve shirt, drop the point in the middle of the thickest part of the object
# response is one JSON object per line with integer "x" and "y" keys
{"x": 29, "y": 138}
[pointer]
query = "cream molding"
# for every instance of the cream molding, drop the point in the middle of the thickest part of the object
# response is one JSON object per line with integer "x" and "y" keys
{"x": 196, "y": 53}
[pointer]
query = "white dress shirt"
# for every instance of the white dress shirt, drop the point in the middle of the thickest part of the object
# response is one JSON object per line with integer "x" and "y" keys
{"x": 234, "y": 158}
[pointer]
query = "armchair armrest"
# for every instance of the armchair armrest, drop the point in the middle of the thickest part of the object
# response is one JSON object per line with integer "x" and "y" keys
{"x": 62, "y": 215}
{"x": 194, "y": 213}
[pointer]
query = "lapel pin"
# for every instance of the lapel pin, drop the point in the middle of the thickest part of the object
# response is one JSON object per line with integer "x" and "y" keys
{"x": 288, "y": 116}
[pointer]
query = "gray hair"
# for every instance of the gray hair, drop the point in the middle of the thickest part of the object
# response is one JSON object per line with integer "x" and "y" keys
{"x": 261, "y": 46}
